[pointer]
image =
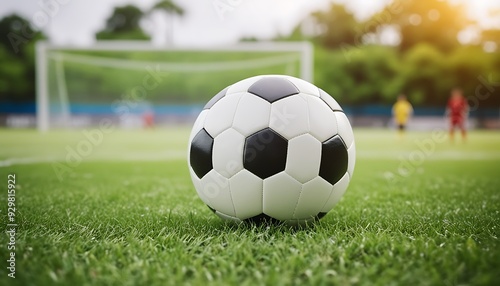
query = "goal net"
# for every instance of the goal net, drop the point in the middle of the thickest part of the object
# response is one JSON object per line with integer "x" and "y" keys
{"x": 123, "y": 81}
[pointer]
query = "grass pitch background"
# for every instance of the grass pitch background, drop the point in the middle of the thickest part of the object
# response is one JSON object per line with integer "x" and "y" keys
{"x": 127, "y": 214}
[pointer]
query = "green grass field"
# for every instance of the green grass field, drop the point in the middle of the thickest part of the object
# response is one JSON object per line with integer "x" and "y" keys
{"x": 417, "y": 212}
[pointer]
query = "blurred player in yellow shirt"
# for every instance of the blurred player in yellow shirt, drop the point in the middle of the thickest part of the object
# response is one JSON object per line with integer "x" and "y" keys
{"x": 402, "y": 110}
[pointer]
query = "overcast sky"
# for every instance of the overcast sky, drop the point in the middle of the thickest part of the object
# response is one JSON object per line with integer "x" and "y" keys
{"x": 206, "y": 22}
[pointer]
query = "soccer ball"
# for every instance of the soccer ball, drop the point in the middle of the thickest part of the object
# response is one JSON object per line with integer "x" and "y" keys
{"x": 271, "y": 148}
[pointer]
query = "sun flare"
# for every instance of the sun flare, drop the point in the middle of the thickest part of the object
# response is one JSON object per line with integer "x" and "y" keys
{"x": 486, "y": 12}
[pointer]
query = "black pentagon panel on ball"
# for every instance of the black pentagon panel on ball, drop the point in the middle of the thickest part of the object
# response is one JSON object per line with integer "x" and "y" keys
{"x": 261, "y": 219}
{"x": 320, "y": 215}
{"x": 216, "y": 98}
{"x": 273, "y": 88}
{"x": 334, "y": 159}
{"x": 201, "y": 153}
{"x": 213, "y": 210}
{"x": 265, "y": 153}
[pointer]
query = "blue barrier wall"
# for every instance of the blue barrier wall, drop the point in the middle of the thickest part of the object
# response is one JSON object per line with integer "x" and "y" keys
{"x": 182, "y": 110}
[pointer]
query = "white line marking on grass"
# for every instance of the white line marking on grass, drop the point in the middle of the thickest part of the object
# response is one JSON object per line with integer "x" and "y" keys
{"x": 25, "y": 161}
{"x": 132, "y": 157}
{"x": 436, "y": 156}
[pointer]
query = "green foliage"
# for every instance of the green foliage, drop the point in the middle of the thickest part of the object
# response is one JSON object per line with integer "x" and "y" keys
{"x": 377, "y": 74}
{"x": 123, "y": 24}
{"x": 12, "y": 71}
{"x": 336, "y": 26}
{"x": 136, "y": 34}
{"x": 169, "y": 7}
{"x": 465, "y": 65}
{"x": 16, "y": 34}
{"x": 427, "y": 65}
{"x": 359, "y": 74}
{"x": 423, "y": 76}
{"x": 128, "y": 214}
{"x": 17, "y": 71}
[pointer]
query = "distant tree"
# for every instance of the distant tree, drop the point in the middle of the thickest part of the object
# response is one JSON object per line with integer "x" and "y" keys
{"x": 435, "y": 22}
{"x": 123, "y": 24}
{"x": 17, "y": 55}
{"x": 474, "y": 72}
{"x": 335, "y": 27}
{"x": 424, "y": 77}
{"x": 368, "y": 76}
{"x": 17, "y": 33}
{"x": 170, "y": 9}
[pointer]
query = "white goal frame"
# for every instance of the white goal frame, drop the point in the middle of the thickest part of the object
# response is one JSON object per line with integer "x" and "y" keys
{"x": 43, "y": 48}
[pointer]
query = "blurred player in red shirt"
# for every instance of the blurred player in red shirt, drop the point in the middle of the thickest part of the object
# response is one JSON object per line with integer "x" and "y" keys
{"x": 148, "y": 119}
{"x": 457, "y": 110}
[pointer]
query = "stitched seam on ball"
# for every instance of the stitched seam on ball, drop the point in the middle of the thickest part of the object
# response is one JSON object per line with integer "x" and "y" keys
{"x": 337, "y": 123}
{"x": 328, "y": 199}
{"x": 300, "y": 195}
{"x": 237, "y": 173}
{"x": 309, "y": 93}
{"x": 235, "y": 110}
{"x": 308, "y": 116}
{"x": 231, "y": 196}
{"x": 231, "y": 127}
{"x": 297, "y": 203}
{"x": 310, "y": 179}
{"x": 303, "y": 133}
{"x": 233, "y": 217}
{"x": 270, "y": 115}
{"x": 230, "y": 192}
{"x": 331, "y": 194}
{"x": 262, "y": 197}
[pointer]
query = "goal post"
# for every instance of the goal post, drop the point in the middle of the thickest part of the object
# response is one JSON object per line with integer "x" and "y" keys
{"x": 53, "y": 64}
